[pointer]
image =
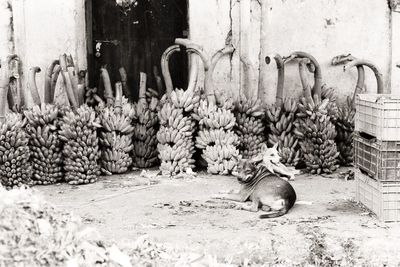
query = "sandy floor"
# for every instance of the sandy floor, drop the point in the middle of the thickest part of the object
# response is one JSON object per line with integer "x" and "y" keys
{"x": 331, "y": 230}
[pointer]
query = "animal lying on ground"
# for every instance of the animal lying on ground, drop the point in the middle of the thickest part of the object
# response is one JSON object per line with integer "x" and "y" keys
{"x": 263, "y": 188}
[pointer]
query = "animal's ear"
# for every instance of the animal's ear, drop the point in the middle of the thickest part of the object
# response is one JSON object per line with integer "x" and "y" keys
{"x": 264, "y": 147}
{"x": 275, "y": 146}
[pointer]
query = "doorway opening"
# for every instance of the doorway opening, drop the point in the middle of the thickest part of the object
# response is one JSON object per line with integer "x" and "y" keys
{"x": 133, "y": 34}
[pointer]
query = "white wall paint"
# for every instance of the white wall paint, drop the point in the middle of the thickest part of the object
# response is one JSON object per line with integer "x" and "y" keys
{"x": 324, "y": 28}
{"x": 44, "y": 30}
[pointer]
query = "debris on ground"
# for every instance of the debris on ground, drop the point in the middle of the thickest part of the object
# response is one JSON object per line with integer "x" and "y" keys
{"x": 34, "y": 233}
{"x": 347, "y": 175}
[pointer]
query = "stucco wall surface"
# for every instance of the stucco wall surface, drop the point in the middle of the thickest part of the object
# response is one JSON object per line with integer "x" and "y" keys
{"x": 324, "y": 28}
{"x": 45, "y": 29}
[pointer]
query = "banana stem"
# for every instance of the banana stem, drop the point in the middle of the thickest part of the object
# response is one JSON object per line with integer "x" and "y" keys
{"x": 72, "y": 73}
{"x": 4, "y": 81}
{"x": 142, "y": 86}
{"x": 67, "y": 82}
{"x": 208, "y": 82}
{"x": 304, "y": 81}
{"x": 108, "y": 93}
{"x": 373, "y": 67}
{"x": 194, "y": 71}
{"x": 124, "y": 81}
{"x": 54, "y": 78}
{"x": 34, "y": 89}
{"x": 98, "y": 99}
{"x": 165, "y": 67}
{"x": 14, "y": 67}
{"x": 47, "y": 84}
{"x": 317, "y": 71}
{"x": 281, "y": 76}
{"x": 3, "y": 104}
{"x": 344, "y": 59}
{"x": 227, "y": 50}
{"x": 118, "y": 97}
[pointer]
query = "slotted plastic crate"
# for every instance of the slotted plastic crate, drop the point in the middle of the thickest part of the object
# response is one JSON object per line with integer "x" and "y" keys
{"x": 381, "y": 197}
{"x": 378, "y": 115}
{"x": 380, "y": 159}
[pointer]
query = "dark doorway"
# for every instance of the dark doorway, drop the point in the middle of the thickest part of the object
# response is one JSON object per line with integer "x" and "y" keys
{"x": 134, "y": 37}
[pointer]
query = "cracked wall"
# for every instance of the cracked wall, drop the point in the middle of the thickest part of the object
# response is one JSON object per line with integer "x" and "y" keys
{"x": 324, "y": 28}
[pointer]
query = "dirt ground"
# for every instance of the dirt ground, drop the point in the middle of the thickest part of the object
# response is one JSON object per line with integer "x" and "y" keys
{"x": 329, "y": 228}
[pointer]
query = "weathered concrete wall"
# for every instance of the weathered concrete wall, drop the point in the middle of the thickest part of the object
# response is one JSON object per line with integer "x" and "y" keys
{"x": 44, "y": 30}
{"x": 324, "y": 28}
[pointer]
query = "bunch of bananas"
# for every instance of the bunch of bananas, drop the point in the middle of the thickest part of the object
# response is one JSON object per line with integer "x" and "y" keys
{"x": 216, "y": 137}
{"x": 15, "y": 168}
{"x": 332, "y": 107}
{"x": 175, "y": 136}
{"x": 44, "y": 142}
{"x": 81, "y": 151}
{"x": 145, "y": 153}
{"x": 344, "y": 125}
{"x": 317, "y": 137}
{"x": 281, "y": 119}
{"x": 116, "y": 136}
{"x": 249, "y": 126}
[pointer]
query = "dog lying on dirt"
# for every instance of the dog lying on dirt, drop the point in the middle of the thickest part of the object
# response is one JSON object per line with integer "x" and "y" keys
{"x": 261, "y": 185}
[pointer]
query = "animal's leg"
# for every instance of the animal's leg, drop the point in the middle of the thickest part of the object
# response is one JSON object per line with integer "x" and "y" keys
{"x": 283, "y": 170}
{"x": 265, "y": 208}
{"x": 253, "y": 206}
{"x": 234, "y": 197}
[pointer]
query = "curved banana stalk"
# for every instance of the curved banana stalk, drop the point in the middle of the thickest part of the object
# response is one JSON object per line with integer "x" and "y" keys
{"x": 281, "y": 76}
{"x": 53, "y": 82}
{"x": 67, "y": 82}
{"x": 4, "y": 80}
{"x": 229, "y": 49}
{"x": 33, "y": 86}
{"x": 208, "y": 83}
{"x": 124, "y": 81}
{"x": 48, "y": 94}
{"x": 14, "y": 68}
{"x": 344, "y": 59}
{"x": 142, "y": 87}
{"x": 72, "y": 72}
{"x": 165, "y": 67}
{"x": 194, "y": 72}
{"x": 118, "y": 97}
{"x": 108, "y": 93}
{"x": 373, "y": 67}
{"x": 304, "y": 81}
{"x": 317, "y": 71}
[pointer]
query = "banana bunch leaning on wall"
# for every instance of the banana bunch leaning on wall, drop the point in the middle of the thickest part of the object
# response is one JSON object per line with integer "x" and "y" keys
{"x": 344, "y": 122}
{"x": 145, "y": 154}
{"x": 177, "y": 127}
{"x": 216, "y": 138}
{"x": 78, "y": 130}
{"x": 250, "y": 114}
{"x": 15, "y": 167}
{"x": 314, "y": 128}
{"x": 116, "y": 120}
{"x": 43, "y": 130}
{"x": 281, "y": 118}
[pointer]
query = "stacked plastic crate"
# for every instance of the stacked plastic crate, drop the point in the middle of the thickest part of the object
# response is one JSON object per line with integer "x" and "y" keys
{"x": 377, "y": 154}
